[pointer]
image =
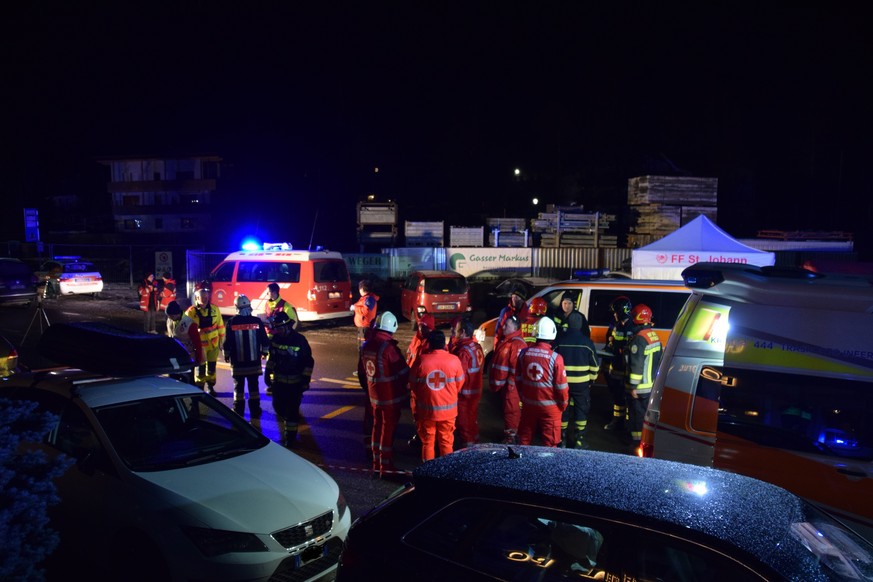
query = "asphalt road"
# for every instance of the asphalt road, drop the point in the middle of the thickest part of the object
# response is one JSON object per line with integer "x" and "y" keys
{"x": 331, "y": 434}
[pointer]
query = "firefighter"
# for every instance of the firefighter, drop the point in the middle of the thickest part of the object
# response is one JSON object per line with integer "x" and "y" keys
{"x": 275, "y": 305}
{"x": 542, "y": 386}
{"x": 245, "y": 345}
{"x": 435, "y": 380}
{"x": 516, "y": 307}
{"x": 211, "y": 325}
{"x": 181, "y": 327}
{"x": 536, "y": 311}
{"x": 472, "y": 358}
{"x": 643, "y": 358}
{"x": 384, "y": 368}
{"x": 617, "y": 337}
{"x": 581, "y": 364}
{"x": 568, "y": 306}
{"x": 501, "y": 377}
{"x": 288, "y": 371}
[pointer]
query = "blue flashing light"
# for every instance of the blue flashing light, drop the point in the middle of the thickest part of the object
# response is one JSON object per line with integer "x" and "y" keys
{"x": 590, "y": 273}
{"x": 251, "y": 244}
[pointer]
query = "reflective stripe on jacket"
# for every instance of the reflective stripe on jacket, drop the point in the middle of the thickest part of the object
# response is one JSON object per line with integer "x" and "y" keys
{"x": 210, "y": 324}
{"x": 580, "y": 357}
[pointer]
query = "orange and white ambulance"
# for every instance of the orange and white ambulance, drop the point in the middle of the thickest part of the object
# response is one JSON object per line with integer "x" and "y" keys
{"x": 317, "y": 283}
{"x": 769, "y": 373}
{"x": 592, "y": 298}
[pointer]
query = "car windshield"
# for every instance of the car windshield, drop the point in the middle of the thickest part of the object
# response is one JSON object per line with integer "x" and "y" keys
{"x": 447, "y": 285}
{"x": 157, "y": 434}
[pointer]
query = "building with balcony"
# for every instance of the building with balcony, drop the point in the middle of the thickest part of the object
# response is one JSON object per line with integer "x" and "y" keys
{"x": 162, "y": 195}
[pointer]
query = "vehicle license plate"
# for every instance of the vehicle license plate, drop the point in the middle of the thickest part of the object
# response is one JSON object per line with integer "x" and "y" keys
{"x": 445, "y": 307}
{"x": 310, "y": 554}
{"x": 334, "y": 295}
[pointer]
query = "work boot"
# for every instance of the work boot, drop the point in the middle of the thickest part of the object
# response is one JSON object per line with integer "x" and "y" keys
{"x": 210, "y": 388}
{"x": 616, "y": 424}
{"x": 255, "y": 407}
{"x": 290, "y": 440}
{"x": 562, "y": 444}
{"x": 239, "y": 406}
{"x": 414, "y": 442}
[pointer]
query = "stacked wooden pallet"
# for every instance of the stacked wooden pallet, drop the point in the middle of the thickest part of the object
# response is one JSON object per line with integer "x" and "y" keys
{"x": 570, "y": 226}
{"x": 571, "y": 239}
{"x": 507, "y": 232}
{"x": 663, "y": 204}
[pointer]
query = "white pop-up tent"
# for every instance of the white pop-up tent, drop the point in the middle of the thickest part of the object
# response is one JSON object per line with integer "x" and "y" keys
{"x": 698, "y": 241}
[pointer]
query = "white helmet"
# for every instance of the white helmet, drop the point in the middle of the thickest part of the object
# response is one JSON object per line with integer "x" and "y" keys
{"x": 242, "y": 302}
{"x": 546, "y": 329}
{"x": 387, "y": 322}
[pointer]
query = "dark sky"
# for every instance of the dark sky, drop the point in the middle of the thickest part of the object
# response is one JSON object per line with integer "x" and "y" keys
{"x": 302, "y": 102}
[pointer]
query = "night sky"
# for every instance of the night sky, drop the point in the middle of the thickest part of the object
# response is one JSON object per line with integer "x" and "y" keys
{"x": 304, "y": 101}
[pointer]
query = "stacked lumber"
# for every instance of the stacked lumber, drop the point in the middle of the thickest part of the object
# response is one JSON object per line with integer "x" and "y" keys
{"x": 663, "y": 204}
{"x": 570, "y": 226}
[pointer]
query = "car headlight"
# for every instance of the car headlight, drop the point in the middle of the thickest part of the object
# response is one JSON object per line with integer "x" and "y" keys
{"x": 341, "y": 506}
{"x": 479, "y": 334}
{"x": 214, "y": 542}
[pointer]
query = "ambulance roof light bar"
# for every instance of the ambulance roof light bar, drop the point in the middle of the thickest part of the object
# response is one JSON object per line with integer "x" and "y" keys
{"x": 278, "y": 246}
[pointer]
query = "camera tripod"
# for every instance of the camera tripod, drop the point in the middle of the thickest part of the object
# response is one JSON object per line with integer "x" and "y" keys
{"x": 40, "y": 315}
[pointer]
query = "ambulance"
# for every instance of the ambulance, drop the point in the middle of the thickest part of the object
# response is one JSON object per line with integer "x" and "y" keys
{"x": 317, "y": 283}
{"x": 769, "y": 373}
{"x": 593, "y": 296}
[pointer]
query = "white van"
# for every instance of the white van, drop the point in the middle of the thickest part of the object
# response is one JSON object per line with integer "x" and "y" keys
{"x": 769, "y": 373}
{"x": 317, "y": 283}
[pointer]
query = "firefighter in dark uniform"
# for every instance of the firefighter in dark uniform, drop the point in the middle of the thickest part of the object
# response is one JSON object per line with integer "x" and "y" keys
{"x": 581, "y": 364}
{"x": 288, "y": 371}
{"x": 643, "y": 358}
{"x": 617, "y": 337}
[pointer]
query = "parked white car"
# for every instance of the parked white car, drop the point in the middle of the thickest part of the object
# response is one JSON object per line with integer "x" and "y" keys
{"x": 70, "y": 275}
{"x": 169, "y": 483}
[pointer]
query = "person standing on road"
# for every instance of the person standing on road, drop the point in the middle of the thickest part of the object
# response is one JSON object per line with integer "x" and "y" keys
{"x": 542, "y": 386}
{"x": 288, "y": 371}
{"x": 435, "y": 381}
{"x": 501, "y": 377}
{"x": 167, "y": 287}
{"x": 211, "y": 325}
{"x": 418, "y": 343}
{"x": 276, "y": 305}
{"x": 149, "y": 302}
{"x": 581, "y": 365}
{"x": 516, "y": 307}
{"x": 386, "y": 373}
{"x": 472, "y": 358}
{"x": 366, "y": 309}
{"x": 643, "y": 358}
{"x": 184, "y": 329}
{"x": 245, "y": 345}
{"x": 617, "y": 337}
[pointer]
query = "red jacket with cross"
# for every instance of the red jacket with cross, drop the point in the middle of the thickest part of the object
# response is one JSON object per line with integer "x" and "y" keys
{"x": 435, "y": 380}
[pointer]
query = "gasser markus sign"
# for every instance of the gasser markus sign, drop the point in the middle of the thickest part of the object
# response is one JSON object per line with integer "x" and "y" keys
{"x": 475, "y": 261}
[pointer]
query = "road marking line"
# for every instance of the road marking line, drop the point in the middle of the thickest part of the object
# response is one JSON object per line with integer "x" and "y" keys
{"x": 337, "y": 412}
{"x": 347, "y": 383}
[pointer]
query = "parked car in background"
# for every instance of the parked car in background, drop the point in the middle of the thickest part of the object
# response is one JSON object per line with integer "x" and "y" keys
{"x": 444, "y": 294}
{"x": 17, "y": 282}
{"x": 168, "y": 482}
{"x": 70, "y": 275}
{"x": 497, "y": 512}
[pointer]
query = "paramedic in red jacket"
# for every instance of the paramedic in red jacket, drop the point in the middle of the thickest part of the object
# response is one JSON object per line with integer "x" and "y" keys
{"x": 472, "y": 359}
{"x": 501, "y": 376}
{"x": 386, "y": 373}
{"x": 435, "y": 380}
{"x": 542, "y": 386}
{"x": 516, "y": 307}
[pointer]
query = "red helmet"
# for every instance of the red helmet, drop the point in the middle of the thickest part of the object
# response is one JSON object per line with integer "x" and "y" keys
{"x": 538, "y": 306}
{"x": 641, "y": 314}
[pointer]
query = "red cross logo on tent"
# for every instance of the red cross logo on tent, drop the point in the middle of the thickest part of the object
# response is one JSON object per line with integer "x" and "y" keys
{"x": 371, "y": 368}
{"x": 436, "y": 380}
{"x": 534, "y": 372}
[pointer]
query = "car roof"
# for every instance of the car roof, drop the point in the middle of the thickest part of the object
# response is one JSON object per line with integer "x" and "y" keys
{"x": 750, "y": 514}
{"x": 435, "y": 273}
